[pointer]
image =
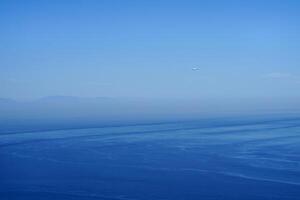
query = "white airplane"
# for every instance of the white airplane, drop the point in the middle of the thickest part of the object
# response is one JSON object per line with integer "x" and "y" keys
{"x": 196, "y": 68}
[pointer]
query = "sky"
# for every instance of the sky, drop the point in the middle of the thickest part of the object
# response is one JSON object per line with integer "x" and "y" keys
{"x": 148, "y": 49}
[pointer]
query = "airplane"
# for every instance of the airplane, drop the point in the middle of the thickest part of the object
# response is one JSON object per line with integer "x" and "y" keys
{"x": 196, "y": 68}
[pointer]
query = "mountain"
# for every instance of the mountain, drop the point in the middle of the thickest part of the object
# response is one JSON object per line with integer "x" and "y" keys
{"x": 6, "y": 101}
{"x": 70, "y": 111}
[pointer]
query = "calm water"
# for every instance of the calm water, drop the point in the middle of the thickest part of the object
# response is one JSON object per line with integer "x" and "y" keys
{"x": 232, "y": 160}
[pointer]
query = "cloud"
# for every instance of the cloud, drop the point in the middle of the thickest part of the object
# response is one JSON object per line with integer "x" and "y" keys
{"x": 278, "y": 75}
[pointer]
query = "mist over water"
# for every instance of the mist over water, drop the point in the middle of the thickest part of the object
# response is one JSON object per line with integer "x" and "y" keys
{"x": 59, "y": 112}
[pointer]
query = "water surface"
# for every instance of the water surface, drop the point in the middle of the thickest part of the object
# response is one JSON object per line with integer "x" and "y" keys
{"x": 185, "y": 160}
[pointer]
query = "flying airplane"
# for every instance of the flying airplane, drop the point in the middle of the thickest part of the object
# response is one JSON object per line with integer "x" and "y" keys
{"x": 196, "y": 68}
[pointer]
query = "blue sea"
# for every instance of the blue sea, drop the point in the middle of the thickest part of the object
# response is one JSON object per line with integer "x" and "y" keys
{"x": 204, "y": 159}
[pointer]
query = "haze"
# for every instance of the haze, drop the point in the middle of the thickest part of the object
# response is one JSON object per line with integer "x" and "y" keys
{"x": 245, "y": 53}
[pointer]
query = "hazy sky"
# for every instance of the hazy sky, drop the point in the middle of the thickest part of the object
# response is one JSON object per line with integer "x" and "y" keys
{"x": 139, "y": 48}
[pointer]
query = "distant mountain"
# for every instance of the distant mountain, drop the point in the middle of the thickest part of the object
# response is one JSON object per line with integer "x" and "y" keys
{"x": 74, "y": 99}
{"x": 6, "y": 101}
{"x": 67, "y": 111}
{"x": 59, "y": 98}
{"x": 70, "y": 111}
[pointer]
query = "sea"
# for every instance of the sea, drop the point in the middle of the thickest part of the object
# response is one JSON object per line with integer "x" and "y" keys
{"x": 212, "y": 159}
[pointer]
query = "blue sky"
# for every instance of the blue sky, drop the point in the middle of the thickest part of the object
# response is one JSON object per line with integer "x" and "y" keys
{"x": 147, "y": 49}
